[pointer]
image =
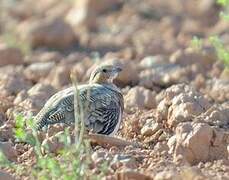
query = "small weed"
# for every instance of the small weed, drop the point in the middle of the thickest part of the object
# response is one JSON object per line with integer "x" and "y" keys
{"x": 72, "y": 162}
{"x": 196, "y": 43}
{"x": 222, "y": 52}
{"x": 225, "y": 13}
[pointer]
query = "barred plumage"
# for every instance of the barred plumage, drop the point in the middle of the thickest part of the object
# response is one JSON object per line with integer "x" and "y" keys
{"x": 101, "y": 100}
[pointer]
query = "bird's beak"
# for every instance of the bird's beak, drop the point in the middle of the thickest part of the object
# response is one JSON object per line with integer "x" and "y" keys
{"x": 115, "y": 72}
{"x": 117, "y": 69}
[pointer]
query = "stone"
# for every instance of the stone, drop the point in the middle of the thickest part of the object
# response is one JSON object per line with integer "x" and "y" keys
{"x": 181, "y": 103}
{"x": 44, "y": 56}
{"x": 8, "y": 150}
{"x": 6, "y": 132}
{"x": 140, "y": 97}
{"x": 59, "y": 76}
{"x": 100, "y": 157}
{"x": 5, "y": 176}
{"x": 84, "y": 12}
{"x": 218, "y": 89}
{"x": 10, "y": 56}
{"x": 35, "y": 98}
{"x": 120, "y": 160}
{"x": 172, "y": 144}
{"x": 195, "y": 142}
{"x": 189, "y": 56}
{"x": 80, "y": 68}
{"x": 133, "y": 175}
{"x": 166, "y": 175}
{"x": 48, "y": 32}
{"x": 216, "y": 115}
{"x": 12, "y": 83}
{"x": 163, "y": 75}
{"x": 36, "y": 71}
{"x": 150, "y": 127}
{"x": 152, "y": 61}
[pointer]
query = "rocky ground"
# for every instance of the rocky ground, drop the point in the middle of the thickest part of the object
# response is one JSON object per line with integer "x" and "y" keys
{"x": 176, "y": 96}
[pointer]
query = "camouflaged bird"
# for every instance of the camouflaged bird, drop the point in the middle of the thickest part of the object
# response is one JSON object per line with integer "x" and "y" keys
{"x": 103, "y": 99}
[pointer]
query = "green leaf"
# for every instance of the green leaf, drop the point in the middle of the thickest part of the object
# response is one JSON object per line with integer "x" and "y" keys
{"x": 223, "y": 2}
{"x": 20, "y": 121}
{"x": 222, "y": 52}
{"x": 196, "y": 43}
{"x": 30, "y": 139}
{"x": 20, "y": 134}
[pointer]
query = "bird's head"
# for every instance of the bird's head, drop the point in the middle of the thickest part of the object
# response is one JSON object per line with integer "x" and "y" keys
{"x": 105, "y": 74}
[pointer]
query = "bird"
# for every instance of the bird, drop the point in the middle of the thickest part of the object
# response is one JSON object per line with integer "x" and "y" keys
{"x": 102, "y": 103}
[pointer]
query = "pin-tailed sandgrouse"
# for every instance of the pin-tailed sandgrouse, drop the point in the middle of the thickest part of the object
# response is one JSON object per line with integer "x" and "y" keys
{"x": 103, "y": 99}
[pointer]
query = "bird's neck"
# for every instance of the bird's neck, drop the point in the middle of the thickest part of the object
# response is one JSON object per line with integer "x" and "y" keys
{"x": 100, "y": 80}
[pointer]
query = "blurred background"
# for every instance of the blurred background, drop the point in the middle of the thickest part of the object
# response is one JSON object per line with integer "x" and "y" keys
{"x": 158, "y": 42}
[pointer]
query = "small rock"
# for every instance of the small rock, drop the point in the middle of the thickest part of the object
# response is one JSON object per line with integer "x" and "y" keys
{"x": 36, "y": 97}
{"x": 10, "y": 56}
{"x": 163, "y": 75}
{"x": 182, "y": 103}
{"x": 195, "y": 142}
{"x": 6, "y": 132}
{"x": 133, "y": 175}
{"x": 152, "y": 62}
{"x": 60, "y": 75}
{"x": 216, "y": 115}
{"x": 84, "y": 12}
{"x": 13, "y": 82}
{"x": 150, "y": 127}
{"x": 161, "y": 147}
{"x": 36, "y": 71}
{"x": 123, "y": 160}
{"x": 5, "y": 176}
{"x": 8, "y": 150}
{"x": 172, "y": 144}
{"x": 44, "y": 56}
{"x": 99, "y": 157}
{"x": 189, "y": 56}
{"x": 218, "y": 89}
{"x": 166, "y": 175}
{"x": 49, "y": 32}
{"x": 140, "y": 97}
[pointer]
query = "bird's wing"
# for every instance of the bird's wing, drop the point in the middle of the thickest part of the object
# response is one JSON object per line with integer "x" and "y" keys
{"x": 57, "y": 109}
{"x": 102, "y": 110}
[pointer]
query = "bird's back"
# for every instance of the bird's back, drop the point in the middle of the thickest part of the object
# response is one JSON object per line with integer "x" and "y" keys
{"x": 102, "y": 105}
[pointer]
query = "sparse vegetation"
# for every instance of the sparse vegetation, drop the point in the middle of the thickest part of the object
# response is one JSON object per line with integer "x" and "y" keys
{"x": 175, "y": 61}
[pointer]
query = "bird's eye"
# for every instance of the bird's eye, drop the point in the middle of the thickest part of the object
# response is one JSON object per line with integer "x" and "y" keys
{"x": 104, "y": 70}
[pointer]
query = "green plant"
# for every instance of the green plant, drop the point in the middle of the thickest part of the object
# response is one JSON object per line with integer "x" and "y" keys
{"x": 72, "y": 161}
{"x": 225, "y": 3}
{"x": 221, "y": 51}
{"x": 196, "y": 43}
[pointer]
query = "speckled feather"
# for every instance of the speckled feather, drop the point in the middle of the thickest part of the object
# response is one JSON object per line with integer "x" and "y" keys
{"x": 105, "y": 105}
